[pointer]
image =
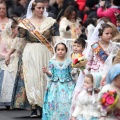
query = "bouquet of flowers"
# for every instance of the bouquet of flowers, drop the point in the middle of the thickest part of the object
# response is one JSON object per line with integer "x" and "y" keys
{"x": 79, "y": 61}
{"x": 109, "y": 100}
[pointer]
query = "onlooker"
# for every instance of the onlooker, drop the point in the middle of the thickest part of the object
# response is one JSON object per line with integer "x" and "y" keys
{"x": 110, "y": 12}
{"x": 69, "y": 24}
{"x": 3, "y": 16}
{"x": 118, "y": 22}
{"x": 20, "y": 7}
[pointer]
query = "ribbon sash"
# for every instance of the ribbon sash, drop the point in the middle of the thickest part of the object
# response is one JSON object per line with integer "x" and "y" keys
{"x": 37, "y": 34}
{"x": 99, "y": 52}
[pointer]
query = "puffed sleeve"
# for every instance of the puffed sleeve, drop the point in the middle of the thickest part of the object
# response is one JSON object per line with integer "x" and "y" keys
{"x": 55, "y": 30}
{"x": 18, "y": 44}
{"x": 55, "y": 34}
{"x": 78, "y": 108}
{"x": 90, "y": 60}
{"x": 51, "y": 69}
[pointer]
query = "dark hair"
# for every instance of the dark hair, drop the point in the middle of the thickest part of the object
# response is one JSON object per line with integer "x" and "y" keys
{"x": 103, "y": 27}
{"x": 14, "y": 23}
{"x": 69, "y": 11}
{"x": 91, "y": 3}
{"x": 80, "y": 41}
{"x": 35, "y": 2}
{"x": 116, "y": 2}
{"x": 118, "y": 17}
{"x": 61, "y": 44}
{"x": 2, "y": 2}
{"x": 89, "y": 21}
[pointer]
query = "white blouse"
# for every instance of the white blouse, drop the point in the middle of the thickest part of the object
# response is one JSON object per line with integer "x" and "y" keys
{"x": 85, "y": 106}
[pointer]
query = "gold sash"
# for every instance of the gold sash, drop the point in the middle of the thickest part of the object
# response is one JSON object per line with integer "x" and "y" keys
{"x": 37, "y": 34}
{"x": 99, "y": 52}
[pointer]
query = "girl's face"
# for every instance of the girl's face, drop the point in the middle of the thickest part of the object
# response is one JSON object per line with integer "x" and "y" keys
{"x": 2, "y": 9}
{"x": 107, "y": 34}
{"x": 117, "y": 81}
{"x": 15, "y": 31}
{"x": 39, "y": 9}
{"x": 73, "y": 15}
{"x": 88, "y": 83}
{"x": 77, "y": 48}
{"x": 60, "y": 51}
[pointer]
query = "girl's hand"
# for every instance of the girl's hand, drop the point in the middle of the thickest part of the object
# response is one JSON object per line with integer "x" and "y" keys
{"x": 103, "y": 81}
{"x": 73, "y": 118}
{"x": 45, "y": 70}
{"x": 102, "y": 118}
{"x": 7, "y": 60}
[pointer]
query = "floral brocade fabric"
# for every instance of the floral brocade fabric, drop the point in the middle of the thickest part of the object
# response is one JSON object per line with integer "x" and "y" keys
{"x": 57, "y": 100}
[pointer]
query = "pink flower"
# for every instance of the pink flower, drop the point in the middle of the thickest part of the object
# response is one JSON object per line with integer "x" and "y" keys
{"x": 110, "y": 99}
{"x": 105, "y": 95}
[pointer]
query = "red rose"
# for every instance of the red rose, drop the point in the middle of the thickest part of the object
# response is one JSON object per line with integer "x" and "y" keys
{"x": 75, "y": 61}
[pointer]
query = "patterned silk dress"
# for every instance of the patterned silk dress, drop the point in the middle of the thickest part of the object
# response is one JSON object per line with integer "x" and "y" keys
{"x": 58, "y": 96}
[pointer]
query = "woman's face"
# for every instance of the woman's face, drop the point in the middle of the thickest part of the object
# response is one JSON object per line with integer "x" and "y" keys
{"x": 73, "y": 15}
{"x": 2, "y": 9}
{"x": 39, "y": 9}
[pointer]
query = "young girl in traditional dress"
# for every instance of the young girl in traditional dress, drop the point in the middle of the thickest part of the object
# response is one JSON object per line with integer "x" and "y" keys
{"x": 100, "y": 50}
{"x": 86, "y": 108}
{"x": 113, "y": 84}
{"x": 8, "y": 73}
{"x": 57, "y": 100}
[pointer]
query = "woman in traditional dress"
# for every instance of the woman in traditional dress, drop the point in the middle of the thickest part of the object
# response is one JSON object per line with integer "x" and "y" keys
{"x": 38, "y": 31}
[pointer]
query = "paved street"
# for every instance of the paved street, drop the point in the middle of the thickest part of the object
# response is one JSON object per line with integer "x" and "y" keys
{"x": 15, "y": 114}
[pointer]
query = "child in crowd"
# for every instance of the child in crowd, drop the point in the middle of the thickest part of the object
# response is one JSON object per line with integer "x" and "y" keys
{"x": 101, "y": 50}
{"x": 78, "y": 47}
{"x": 118, "y": 22}
{"x": 8, "y": 74}
{"x": 113, "y": 85}
{"x": 58, "y": 96}
{"x": 86, "y": 108}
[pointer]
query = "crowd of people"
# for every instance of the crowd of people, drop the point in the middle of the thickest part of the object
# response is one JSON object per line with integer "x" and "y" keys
{"x": 60, "y": 59}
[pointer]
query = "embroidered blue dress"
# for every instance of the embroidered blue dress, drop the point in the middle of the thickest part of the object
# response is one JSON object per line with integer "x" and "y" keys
{"x": 57, "y": 100}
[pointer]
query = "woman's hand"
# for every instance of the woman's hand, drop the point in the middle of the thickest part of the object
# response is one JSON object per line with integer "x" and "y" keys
{"x": 7, "y": 60}
{"x": 78, "y": 31}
